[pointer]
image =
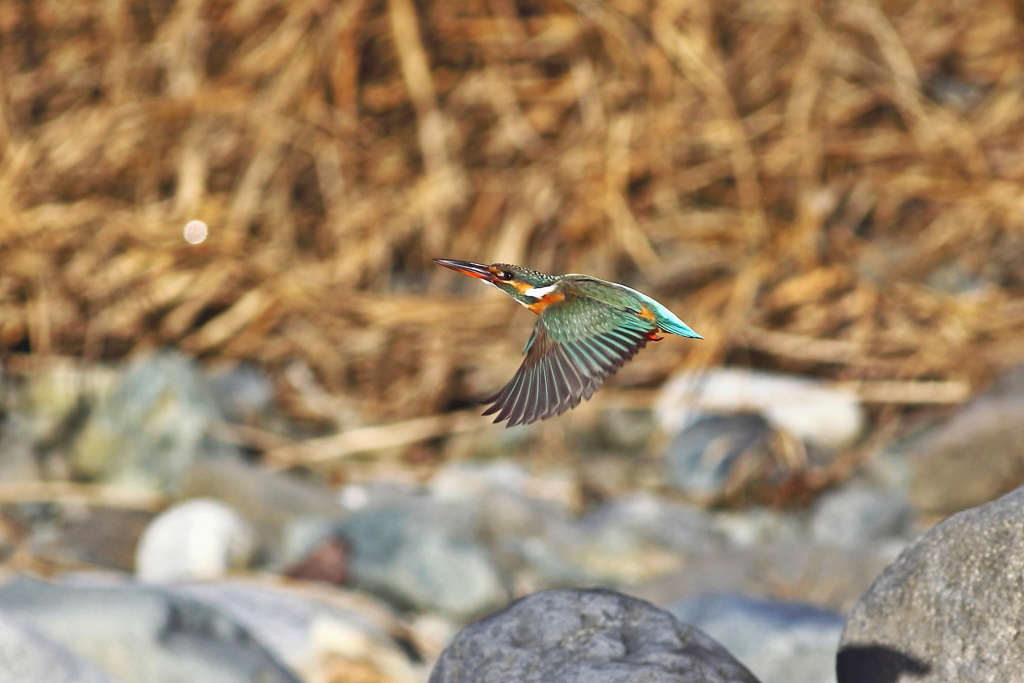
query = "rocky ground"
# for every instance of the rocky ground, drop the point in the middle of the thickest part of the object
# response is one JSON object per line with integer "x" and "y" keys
{"x": 183, "y": 559}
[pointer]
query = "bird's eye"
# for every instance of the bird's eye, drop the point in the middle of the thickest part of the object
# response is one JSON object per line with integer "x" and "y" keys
{"x": 504, "y": 275}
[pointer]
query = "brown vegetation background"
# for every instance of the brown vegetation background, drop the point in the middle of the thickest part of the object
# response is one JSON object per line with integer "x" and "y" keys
{"x": 833, "y": 188}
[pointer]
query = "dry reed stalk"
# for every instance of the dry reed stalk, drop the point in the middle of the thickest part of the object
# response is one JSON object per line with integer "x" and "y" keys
{"x": 834, "y": 188}
{"x": 12, "y": 493}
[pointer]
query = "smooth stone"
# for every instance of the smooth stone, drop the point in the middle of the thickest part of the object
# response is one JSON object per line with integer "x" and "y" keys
{"x": 781, "y": 642}
{"x": 585, "y": 636}
{"x": 950, "y": 608}
{"x": 424, "y": 557}
{"x": 701, "y": 456}
{"x": 27, "y": 656}
{"x": 975, "y": 457}
{"x": 140, "y": 633}
{"x": 857, "y": 515}
{"x": 151, "y": 427}
{"x": 199, "y": 539}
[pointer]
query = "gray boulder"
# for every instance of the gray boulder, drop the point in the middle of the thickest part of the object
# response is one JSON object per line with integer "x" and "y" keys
{"x": 26, "y": 656}
{"x": 974, "y": 458}
{"x": 151, "y": 427}
{"x": 309, "y": 629}
{"x": 950, "y": 608}
{"x": 585, "y": 636}
{"x": 136, "y": 633}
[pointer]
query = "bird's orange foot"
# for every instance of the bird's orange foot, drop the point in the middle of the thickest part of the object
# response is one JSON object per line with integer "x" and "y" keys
{"x": 653, "y": 336}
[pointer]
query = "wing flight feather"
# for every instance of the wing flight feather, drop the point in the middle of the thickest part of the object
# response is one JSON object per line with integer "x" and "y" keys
{"x": 578, "y": 343}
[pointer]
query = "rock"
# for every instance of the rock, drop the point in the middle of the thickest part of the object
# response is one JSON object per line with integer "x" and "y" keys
{"x": 740, "y": 458}
{"x": 796, "y": 569}
{"x": 355, "y": 497}
{"x": 624, "y": 541}
{"x": 97, "y": 536}
{"x": 271, "y": 501}
{"x": 424, "y": 557}
{"x": 781, "y": 642}
{"x": 469, "y": 481}
{"x": 595, "y": 635}
{"x": 701, "y": 456}
{"x": 758, "y": 526}
{"x": 44, "y": 415}
{"x": 199, "y": 539}
{"x": 28, "y": 656}
{"x": 533, "y": 541}
{"x": 950, "y": 608}
{"x": 802, "y": 407}
{"x": 18, "y": 460}
{"x": 974, "y": 458}
{"x": 466, "y": 479}
{"x": 628, "y": 430}
{"x": 857, "y": 515}
{"x": 306, "y": 627}
{"x": 136, "y": 633}
{"x": 151, "y": 427}
{"x": 315, "y": 549}
{"x": 956, "y": 92}
{"x": 242, "y": 391}
{"x": 632, "y": 539}
{"x": 431, "y": 634}
{"x": 304, "y": 534}
{"x": 507, "y": 515}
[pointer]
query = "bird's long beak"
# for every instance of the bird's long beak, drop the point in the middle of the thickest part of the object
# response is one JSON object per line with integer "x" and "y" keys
{"x": 477, "y": 270}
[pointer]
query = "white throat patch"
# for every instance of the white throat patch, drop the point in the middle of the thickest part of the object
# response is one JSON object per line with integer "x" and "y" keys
{"x": 540, "y": 292}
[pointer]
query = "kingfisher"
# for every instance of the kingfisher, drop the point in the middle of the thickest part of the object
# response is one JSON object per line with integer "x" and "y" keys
{"x": 586, "y": 330}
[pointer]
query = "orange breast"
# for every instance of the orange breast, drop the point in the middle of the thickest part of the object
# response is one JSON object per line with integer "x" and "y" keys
{"x": 546, "y": 301}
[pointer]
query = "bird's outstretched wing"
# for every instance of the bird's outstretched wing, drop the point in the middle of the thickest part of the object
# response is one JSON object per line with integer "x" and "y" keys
{"x": 576, "y": 345}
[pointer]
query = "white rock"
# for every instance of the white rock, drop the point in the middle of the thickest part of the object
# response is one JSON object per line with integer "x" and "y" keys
{"x": 804, "y": 408}
{"x": 199, "y": 539}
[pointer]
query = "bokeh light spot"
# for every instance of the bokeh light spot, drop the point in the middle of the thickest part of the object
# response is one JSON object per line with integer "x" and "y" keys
{"x": 195, "y": 232}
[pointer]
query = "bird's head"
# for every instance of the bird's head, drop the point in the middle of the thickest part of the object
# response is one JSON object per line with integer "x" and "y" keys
{"x": 516, "y": 281}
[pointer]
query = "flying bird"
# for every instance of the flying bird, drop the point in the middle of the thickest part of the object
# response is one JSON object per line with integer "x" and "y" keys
{"x": 587, "y": 329}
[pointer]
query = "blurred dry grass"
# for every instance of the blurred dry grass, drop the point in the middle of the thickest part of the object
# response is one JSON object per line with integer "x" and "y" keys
{"x": 828, "y": 187}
